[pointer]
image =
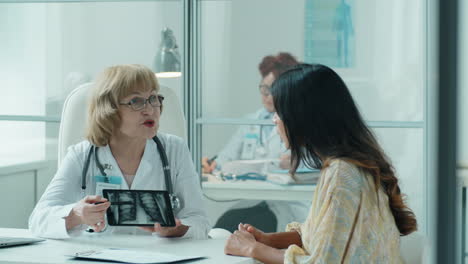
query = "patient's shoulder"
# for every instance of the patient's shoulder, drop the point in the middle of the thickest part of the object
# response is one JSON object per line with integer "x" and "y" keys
{"x": 343, "y": 174}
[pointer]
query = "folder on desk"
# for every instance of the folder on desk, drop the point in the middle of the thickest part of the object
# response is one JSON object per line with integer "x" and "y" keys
{"x": 132, "y": 256}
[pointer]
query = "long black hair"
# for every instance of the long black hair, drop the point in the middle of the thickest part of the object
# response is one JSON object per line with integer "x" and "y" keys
{"x": 322, "y": 122}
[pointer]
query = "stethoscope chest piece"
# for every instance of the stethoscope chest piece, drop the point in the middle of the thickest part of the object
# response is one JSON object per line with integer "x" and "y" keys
{"x": 175, "y": 201}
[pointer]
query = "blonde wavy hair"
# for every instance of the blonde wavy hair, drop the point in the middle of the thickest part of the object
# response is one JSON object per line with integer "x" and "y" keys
{"x": 113, "y": 84}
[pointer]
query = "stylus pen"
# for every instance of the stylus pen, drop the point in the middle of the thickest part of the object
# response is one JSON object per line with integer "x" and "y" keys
{"x": 212, "y": 159}
{"x": 116, "y": 203}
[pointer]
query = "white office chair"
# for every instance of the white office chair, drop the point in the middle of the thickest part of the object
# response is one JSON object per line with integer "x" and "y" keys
{"x": 75, "y": 112}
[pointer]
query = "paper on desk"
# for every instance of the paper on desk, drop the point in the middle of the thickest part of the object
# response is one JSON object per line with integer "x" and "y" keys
{"x": 239, "y": 167}
{"x": 302, "y": 176}
{"x": 132, "y": 256}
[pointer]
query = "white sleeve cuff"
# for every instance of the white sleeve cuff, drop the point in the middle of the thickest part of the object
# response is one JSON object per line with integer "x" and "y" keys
{"x": 196, "y": 230}
{"x": 61, "y": 231}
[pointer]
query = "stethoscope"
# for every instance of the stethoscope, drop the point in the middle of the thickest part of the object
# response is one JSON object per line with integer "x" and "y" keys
{"x": 175, "y": 201}
{"x": 264, "y": 136}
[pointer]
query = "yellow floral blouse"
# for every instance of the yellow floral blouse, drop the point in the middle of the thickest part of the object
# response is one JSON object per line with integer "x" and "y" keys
{"x": 347, "y": 223}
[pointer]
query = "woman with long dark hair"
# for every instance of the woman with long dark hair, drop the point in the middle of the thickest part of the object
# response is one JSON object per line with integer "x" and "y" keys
{"x": 358, "y": 213}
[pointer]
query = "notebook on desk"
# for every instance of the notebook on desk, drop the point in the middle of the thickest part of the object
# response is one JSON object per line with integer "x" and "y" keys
{"x": 17, "y": 241}
{"x": 132, "y": 256}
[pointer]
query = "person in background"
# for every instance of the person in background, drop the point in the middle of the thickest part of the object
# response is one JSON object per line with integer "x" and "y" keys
{"x": 266, "y": 142}
{"x": 358, "y": 213}
{"x": 123, "y": 117}
{"x": 255, "y": 142}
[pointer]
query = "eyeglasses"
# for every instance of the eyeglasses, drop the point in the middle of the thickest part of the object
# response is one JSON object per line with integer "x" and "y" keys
{"x": 139, "y": 103}
{"x": 265, "y": 90}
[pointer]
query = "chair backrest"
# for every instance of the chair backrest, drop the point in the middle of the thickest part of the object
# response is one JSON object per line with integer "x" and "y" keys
{"x": 75, "y": 115}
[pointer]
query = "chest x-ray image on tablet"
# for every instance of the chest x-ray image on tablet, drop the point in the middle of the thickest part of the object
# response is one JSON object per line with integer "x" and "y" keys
{"x": 139, "y": 208}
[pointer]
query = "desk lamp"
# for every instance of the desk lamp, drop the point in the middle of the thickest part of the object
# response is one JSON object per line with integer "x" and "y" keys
{"x": 167, "y": 60}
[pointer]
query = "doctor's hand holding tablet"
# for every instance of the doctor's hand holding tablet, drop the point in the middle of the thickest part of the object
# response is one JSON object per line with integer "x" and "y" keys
{"x": 176, "y": 231}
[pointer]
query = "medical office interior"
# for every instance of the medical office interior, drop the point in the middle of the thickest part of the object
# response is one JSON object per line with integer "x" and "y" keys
{"x": 386, "y": 52}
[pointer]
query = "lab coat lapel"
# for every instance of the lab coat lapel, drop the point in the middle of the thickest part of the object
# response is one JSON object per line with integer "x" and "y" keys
{"x": 271, "y": 134}
{"x": 139, "y": 182}
{"x": 270, "y": 131}
{"x": 115, "y": 171}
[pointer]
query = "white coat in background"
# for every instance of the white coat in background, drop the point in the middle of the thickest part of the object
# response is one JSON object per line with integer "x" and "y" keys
{"x": 64, "y": 191}
{"x": 269, "y": 146}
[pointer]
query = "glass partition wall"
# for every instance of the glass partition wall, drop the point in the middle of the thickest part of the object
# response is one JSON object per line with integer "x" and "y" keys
{"x": 378, "y": 47}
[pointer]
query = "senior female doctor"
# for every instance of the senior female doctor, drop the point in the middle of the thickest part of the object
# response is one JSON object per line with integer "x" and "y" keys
{"x": 123, "y": 118}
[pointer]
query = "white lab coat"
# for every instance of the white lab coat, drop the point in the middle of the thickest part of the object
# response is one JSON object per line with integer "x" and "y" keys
{"x": 64, "y": 191}
{"x": 269, "y": 147}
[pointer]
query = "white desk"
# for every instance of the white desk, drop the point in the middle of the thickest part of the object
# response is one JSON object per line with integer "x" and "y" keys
{"x": 55, "y": 251}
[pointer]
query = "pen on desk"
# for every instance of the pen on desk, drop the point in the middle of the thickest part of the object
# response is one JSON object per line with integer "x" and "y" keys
{"x": 211, "y": 160}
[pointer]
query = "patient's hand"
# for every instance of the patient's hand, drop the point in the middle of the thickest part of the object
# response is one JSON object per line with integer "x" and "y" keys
{"x": 285, "y": 161}
{"x": 259, "y": 235}
{"x": 175, "y": 231}
{"x": 208, "y": 167}
{"x": 240, "y": 243}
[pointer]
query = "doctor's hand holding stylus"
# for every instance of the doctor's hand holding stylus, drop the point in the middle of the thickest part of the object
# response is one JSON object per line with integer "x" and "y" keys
{"x": 88, "y": 213}
{"x": 208, "y": 165}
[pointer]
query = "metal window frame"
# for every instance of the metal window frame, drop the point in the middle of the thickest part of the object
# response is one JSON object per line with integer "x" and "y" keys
{"x": 447, "y": 225}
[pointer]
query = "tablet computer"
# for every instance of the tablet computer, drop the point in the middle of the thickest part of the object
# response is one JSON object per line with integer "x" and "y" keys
{"x": 138, "y": 208}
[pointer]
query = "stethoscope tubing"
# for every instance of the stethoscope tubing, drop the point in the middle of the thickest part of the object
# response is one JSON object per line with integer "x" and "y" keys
{"x": 93, "y": 150}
